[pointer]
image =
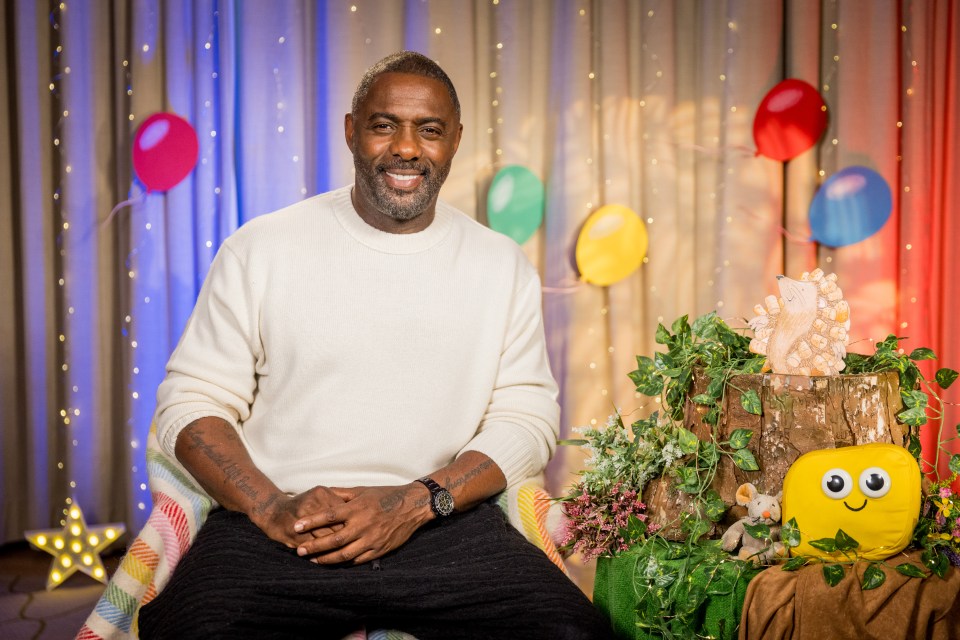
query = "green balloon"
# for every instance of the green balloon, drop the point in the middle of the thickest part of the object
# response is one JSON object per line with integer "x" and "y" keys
{"x": 515, "y": 203}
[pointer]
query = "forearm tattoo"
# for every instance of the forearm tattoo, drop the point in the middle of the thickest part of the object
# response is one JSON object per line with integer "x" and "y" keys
{"x": 231, "y": 470}
{"x": 469, "y": 475}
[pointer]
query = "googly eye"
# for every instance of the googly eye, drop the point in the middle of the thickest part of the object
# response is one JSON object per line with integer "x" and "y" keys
{"x": 836, "y": 484}
{"x": 875, "y": 482}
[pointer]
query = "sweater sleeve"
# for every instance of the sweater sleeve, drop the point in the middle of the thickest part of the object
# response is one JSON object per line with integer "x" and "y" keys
{"x": 520, "y": 427}
{"x": 212, "y": 372}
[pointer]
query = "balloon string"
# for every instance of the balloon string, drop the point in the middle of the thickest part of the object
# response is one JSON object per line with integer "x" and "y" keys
{"x": 716, "y": 151}
{"x": 121, "y": 205}
{"x": 564, "y": 290}
{"x": 792, "y": 237}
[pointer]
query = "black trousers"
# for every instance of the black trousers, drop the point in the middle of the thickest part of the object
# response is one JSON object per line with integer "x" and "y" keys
{"x": 471, "y": 575}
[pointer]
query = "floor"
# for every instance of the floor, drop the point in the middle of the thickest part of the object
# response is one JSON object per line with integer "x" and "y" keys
{"x": 28, "y": 611}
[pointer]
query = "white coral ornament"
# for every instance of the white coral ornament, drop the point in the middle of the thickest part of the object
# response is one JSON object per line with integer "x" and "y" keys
{"x": 805, "y": 330}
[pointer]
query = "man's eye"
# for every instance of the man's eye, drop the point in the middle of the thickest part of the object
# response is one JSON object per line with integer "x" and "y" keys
{"x": 431, "y": 132}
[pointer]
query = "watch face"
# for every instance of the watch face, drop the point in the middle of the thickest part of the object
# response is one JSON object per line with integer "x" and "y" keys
{"x": 443, "y": 502}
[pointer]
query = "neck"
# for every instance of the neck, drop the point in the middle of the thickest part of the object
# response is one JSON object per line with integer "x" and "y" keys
{"x": 379, "y": 220}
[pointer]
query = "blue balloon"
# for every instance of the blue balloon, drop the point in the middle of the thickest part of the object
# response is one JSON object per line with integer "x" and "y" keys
{"x": 852, "y": 205}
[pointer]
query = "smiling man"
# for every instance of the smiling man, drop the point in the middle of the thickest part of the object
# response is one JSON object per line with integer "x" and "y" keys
{"x": 362, "y": 374}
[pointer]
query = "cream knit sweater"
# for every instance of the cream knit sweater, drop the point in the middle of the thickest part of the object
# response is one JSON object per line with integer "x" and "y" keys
{"x": 346, "y": 356}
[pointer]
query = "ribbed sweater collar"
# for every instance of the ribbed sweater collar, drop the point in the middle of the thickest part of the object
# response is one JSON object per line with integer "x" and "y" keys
{"x": 396, "y": 243}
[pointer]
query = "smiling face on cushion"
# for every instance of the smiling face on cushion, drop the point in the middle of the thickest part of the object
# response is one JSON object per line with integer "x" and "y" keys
{"x": 870, "y": 491}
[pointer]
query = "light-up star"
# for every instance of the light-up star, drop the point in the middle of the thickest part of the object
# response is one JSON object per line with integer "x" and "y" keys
{"x": 76, "y": 546}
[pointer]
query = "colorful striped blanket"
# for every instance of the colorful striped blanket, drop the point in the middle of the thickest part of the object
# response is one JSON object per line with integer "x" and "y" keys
{"x": 180, "y": 507}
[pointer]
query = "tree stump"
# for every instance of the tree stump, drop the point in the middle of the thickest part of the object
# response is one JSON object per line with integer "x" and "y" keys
{"x": 799, "y": 414}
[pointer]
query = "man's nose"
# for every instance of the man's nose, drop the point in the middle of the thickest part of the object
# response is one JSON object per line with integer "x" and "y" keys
{"x": 406, "y": 145}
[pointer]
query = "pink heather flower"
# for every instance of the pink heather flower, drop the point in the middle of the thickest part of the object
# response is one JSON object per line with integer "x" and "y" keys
{"x": 945, "y": 492}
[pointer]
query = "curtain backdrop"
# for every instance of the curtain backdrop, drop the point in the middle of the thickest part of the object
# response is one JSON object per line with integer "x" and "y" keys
{"x": 649, "y": 104}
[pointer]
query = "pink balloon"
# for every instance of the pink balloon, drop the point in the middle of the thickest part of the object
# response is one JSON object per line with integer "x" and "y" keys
{"x": 165, "y": 150}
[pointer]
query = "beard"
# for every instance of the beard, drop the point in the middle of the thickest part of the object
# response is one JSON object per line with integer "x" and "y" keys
{"x": 396, "y": 204}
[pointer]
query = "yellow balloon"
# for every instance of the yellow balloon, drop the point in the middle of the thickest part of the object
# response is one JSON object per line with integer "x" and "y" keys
{"x": 611, "y": 245}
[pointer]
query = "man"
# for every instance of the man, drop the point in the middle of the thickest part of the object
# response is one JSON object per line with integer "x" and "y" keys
{"x": 362, "y": 372}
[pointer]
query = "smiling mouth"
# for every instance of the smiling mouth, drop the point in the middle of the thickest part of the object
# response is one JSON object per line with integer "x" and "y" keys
{"x": 860, "y": 508}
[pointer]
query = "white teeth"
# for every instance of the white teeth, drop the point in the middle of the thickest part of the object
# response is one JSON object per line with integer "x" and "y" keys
{"x": 403, "y": 178}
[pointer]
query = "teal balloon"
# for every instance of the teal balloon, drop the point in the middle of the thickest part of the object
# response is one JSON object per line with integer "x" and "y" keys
{"x": 515, "y": 203}
{"x": 852, "y": 205}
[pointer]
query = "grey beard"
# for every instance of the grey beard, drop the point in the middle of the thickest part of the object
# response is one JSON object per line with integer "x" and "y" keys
{"x": 401, "y": 206}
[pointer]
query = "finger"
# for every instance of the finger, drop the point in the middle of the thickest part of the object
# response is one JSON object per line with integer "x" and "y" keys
{"x": 367, "y": 556}
{"x": 345, "y": 494}
{"x": 333, "y": 541}
{"x": 324, "y": 518}
{"x": 323, "y": 531}
{"x": 348, "y": 553}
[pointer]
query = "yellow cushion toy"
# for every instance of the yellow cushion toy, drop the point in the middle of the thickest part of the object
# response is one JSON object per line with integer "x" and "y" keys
{"x": 870, "y": 491}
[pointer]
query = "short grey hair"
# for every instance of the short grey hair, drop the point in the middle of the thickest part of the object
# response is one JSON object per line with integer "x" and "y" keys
{"x": 403, "y": 62}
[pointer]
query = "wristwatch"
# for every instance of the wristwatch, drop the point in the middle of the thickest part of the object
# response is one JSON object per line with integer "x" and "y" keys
{"x": 440, "y": 499}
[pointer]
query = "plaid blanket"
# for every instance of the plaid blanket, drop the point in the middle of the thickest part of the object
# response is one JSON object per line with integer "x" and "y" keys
{"x": 180, "y": 506}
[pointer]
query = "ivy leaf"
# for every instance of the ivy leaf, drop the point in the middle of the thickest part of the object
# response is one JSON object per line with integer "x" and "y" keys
{"x": 945, "y": 377}
{"x": 914, "y": 416}
{"x": 744, "y": 459}
{"x": 703, "y": 398}
{"x": 750, "y": 401}
{"x": 833, "y": 574}
{"x": 758, "y": 531}
{"x": 910, "y": 570}
{"x": 712, "y": 416}
{"x": 687, "y": 440}
{"x": 695, "y": 528}
{"x": 789, "y": 533}
{"x": 715, "y": 388}
{"x": 705, "y": 326}
{"x": 936, "y": 562}
{"x": 913, "y": 398}
{"x": 922, "y": 353}
{"x": 740, "y": 438}
{"x": 646, "y": 377}
{"x": 689, "y": 482}
{"x": 709, "y": 454}
{"x": 914, "y": 446}
{"x": 794, "y": 563}
{"x": 662, "y": 336}
{"x": 855, "y": 362}
{"x": 680, "y": 326}
{"x": 824, "y": 544}
{"x": 845, "y": 542}
{"x": 873, "y": 577}
{"x": 713, "y": 506}
{"x": 955, "y": 463}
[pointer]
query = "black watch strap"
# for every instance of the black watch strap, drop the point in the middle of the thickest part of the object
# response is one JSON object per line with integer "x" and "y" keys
{"x": 441, "y": 502}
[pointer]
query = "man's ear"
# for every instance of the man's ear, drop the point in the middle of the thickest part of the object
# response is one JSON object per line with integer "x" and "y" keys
{"x": 456, "y": 142}
{"x": 348, "y": 130}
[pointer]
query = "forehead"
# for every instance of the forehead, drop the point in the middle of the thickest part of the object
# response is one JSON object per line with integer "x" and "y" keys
{"x": 408, "y": 94}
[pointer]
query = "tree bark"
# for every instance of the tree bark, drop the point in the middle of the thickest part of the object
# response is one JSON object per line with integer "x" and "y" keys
{"x": 799, "y": 414}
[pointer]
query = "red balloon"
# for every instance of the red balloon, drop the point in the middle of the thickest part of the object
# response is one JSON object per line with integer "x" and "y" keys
{"x": 790, "y": 120}
{"x": 165, "y": 150}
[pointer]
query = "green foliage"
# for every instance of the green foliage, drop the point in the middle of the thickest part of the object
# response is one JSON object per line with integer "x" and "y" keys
{"x": 664, "y": 446}
{"x": 674, "y": 581}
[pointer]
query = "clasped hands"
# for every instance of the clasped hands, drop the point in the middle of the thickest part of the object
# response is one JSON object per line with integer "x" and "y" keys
{"x": 332, "y": 525}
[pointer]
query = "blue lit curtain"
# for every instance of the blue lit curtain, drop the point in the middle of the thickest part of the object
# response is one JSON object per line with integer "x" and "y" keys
{"x": 648, "y": 104}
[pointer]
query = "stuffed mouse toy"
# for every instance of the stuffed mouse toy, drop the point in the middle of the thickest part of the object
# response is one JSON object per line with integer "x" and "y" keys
{"x": 761, "y": 509}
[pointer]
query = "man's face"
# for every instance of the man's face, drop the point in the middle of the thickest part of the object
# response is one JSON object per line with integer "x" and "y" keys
{"x": 403, "y": 140}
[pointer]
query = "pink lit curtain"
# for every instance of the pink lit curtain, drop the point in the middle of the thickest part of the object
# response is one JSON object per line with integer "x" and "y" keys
{"x": 647, "y": 103}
